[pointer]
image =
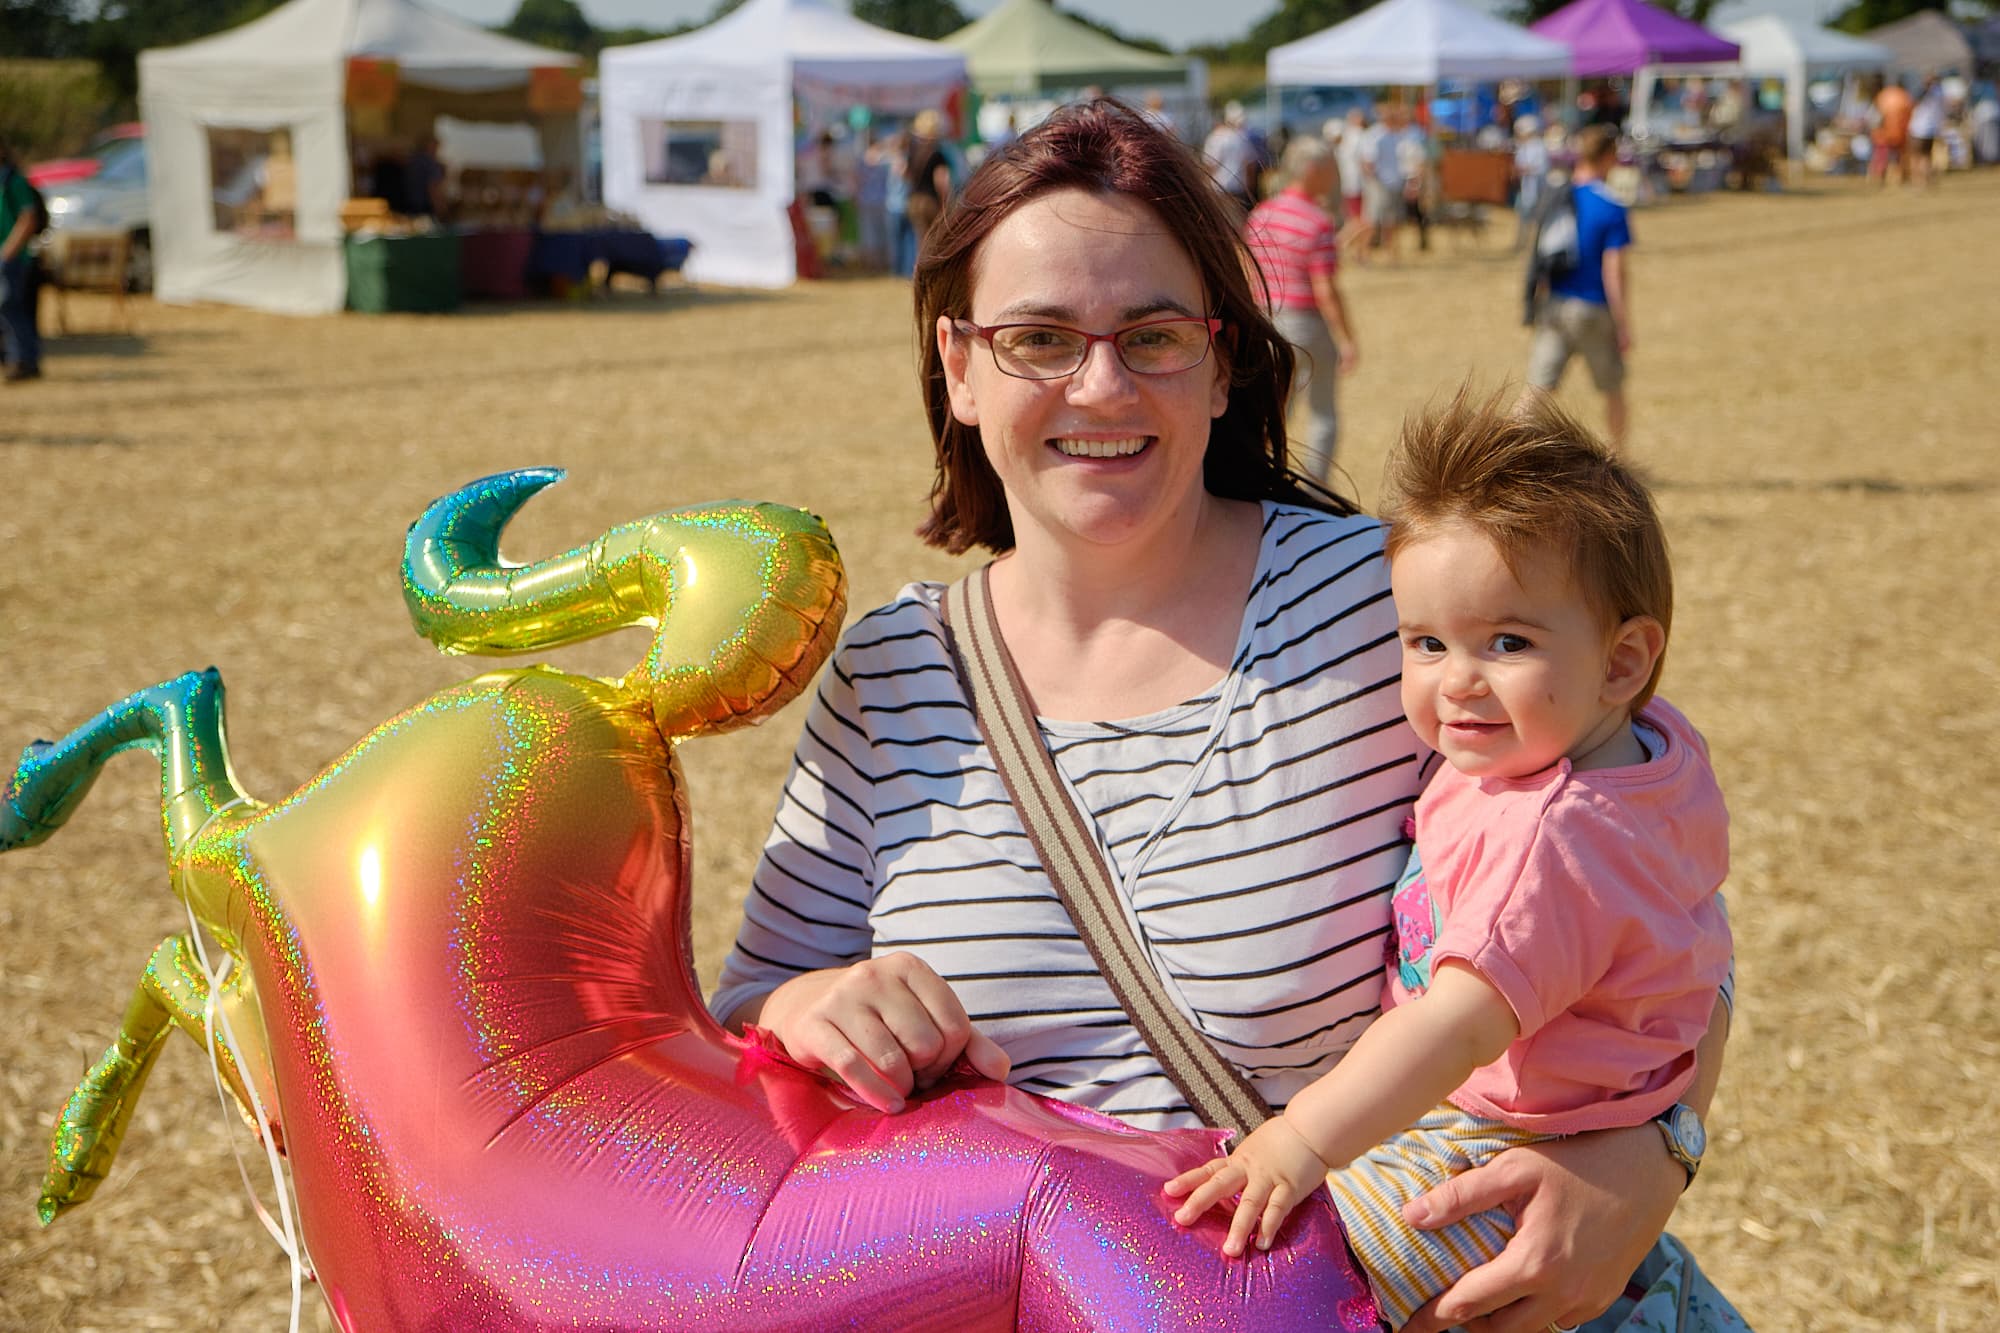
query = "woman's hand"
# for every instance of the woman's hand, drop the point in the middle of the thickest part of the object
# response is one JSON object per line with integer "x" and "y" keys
{"x": 1270, "y": 1173}
{"x": 1586, "y": 1210}
{"x": 884, "y": 1026}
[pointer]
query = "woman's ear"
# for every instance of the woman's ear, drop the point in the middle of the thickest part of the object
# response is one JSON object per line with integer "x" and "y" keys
{"x": 1220, "y": 353}
{"x": 954, "y": 351}
{"x": 1636, "y": 646}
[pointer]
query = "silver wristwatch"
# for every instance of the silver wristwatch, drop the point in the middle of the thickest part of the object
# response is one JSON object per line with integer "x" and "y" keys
{"x": 1686, "y": 1139}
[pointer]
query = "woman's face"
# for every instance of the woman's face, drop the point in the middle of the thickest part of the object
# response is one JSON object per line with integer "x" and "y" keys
{"x": 1104, "y": 456}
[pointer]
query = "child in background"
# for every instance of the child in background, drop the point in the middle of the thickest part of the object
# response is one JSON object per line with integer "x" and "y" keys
{"x": 1560, "y": 941}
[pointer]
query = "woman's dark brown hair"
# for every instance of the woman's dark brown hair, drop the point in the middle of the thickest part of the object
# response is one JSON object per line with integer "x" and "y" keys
{"x": 1106, "y": 147}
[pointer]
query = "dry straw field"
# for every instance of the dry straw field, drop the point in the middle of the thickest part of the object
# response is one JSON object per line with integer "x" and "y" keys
{"x": 1812, "y": 391}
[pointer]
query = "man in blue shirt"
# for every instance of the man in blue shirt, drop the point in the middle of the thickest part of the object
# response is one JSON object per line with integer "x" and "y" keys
{"x": 1589, "y": 310}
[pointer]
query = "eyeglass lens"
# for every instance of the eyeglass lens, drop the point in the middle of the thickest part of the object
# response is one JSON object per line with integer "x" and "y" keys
{"x": 1046, "y": 351}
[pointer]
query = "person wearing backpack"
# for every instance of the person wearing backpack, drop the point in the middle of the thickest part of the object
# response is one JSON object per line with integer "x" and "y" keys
{"x": 22, "y": 214}
{"x": 1588, "y": 310}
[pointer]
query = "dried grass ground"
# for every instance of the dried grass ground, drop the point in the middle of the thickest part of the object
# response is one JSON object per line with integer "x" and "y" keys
{"x": 1812, "y": 390}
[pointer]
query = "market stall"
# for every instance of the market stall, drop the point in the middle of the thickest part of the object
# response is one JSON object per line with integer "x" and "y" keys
{"x": 701, "y": 131}
{"x": 1621, "y": 37}
{"x": 1417, "y": 43}
{"x": 257, "y": 137}
{"x": 1924, "y": 43}
{"x": 1791, "y": 50}
{"x": 1027, "y": 55}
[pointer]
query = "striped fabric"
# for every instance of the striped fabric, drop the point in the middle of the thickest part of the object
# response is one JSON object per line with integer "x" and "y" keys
{"x": 1263, "y": 902}
{"x": 1407, "y": 1266}
{"x": 1291, "y": 238}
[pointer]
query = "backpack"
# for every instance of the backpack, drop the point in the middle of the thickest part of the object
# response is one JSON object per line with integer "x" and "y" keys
{"x": 35, "y": 200}
{"x": 1555, "y": 246}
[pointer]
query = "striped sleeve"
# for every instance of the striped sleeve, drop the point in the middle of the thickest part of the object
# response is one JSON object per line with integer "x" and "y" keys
{"x": 808, "y": 903}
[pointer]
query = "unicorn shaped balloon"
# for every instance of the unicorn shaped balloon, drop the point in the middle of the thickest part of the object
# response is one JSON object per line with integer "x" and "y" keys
{"x": 465, "y": 1010}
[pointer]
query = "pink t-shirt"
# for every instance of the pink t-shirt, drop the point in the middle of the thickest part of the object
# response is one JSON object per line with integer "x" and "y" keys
{"x": 1589, "y": 901}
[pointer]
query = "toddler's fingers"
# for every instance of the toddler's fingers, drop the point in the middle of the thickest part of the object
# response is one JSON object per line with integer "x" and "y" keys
{"x": 1243, "y": 1225}
{"x": 1275, "y": 1213}
{"x": 1212, "y": 1192}
{"x": 1187, "y": 1180}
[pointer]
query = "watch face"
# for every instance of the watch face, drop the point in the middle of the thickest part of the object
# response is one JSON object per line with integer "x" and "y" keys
{"x": 1688, "y": 1130}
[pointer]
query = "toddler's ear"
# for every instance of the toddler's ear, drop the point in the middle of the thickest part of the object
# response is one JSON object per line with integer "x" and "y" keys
{"x": 1636, "y": 646}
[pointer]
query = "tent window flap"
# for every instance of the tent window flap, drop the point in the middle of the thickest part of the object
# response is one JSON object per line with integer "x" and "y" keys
{"x": 700, "y": 152}
{"x": 253, "y": 182}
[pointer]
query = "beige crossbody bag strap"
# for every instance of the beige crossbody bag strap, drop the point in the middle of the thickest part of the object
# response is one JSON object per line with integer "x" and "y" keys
{"x": 1214, "y": 1088}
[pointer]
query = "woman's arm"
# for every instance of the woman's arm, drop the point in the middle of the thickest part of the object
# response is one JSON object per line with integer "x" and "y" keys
{"x": 1586, "y": 1210}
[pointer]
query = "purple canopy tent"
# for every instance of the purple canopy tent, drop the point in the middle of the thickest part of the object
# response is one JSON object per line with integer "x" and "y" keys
{"x": 1615, "y": 37}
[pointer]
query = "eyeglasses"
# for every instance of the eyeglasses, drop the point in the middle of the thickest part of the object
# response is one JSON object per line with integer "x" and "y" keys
{"x": 1054, "y": 351}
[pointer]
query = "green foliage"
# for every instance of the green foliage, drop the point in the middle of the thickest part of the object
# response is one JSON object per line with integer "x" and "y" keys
{"x": 1292, "y": 20}
{"x": 121, "y": 29}
{"x": 1862, "y": 15}
{"x": 1528, "y": 11}
{"x": 929, "y": 19}
{"x": 50, "y": 108}
{"x": 557, "y": 23}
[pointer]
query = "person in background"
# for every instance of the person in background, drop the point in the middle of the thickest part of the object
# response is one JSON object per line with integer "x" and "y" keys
{"x": 893, "y": 151}
{"x": 1231, "y": 157}
{"x": 1926, "y": 126}
{"x": 929, "y": 174}
{"x": 1347, "y": 154}
{"x": 1413, "y": 159}
{"x": 1291, "y": 236}
{"x": 423, "y": 180}
{"x": 1531, "y": 173}
{"x": 20, "y": 218}
{"x": 1891, "y": 136}
{"x": 1155, "y": 110}
{"x": 871, "y": 196}
{"x": 1385, "y": 200}
{"x": 1589, "y": 310}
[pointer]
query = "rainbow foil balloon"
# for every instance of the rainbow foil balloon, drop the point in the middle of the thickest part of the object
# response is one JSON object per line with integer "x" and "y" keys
{"x": 466, "y": 1013}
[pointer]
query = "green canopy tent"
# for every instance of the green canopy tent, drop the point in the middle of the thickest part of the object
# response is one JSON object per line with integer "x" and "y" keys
{"x": 1027, "y": 52}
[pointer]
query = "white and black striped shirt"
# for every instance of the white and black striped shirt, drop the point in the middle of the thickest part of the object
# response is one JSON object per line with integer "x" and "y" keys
{"x": 1264, "y": 900}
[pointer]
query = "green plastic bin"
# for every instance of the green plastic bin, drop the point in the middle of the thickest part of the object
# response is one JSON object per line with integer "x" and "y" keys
{"x": 416, "y": 274}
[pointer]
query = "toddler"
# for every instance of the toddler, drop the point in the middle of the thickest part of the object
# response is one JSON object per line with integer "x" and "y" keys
{"x": 1559, "y": 939}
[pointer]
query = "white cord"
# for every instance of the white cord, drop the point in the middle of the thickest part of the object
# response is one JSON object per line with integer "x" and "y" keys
{"x": 216, "y": 1024}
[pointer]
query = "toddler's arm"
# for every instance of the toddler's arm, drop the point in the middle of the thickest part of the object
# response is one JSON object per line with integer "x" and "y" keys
{"x": 1404, "y": 1064}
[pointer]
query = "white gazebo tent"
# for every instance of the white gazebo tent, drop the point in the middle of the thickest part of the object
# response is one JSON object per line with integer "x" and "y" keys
{"x": 285, "y": 76}
{"x": 1027, "y": 55}
{"x": 1417, "y": 43}
{"x": 1798, "y": 52}
{"x": 698, "y": 129}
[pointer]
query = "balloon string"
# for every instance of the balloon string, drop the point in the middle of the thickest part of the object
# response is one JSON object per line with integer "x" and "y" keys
{"x": 215, "y": 1023}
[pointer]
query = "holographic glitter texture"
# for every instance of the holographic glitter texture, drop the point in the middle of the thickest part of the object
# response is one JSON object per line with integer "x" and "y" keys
{"x": 464, "y": 989}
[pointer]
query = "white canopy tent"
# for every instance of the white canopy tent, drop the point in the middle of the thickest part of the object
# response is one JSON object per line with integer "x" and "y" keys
{"x": 698, "y": 130}
{"x": 1774, "y": 47}
{"x": 1417, "y": 43}
{"x": 273, "y": 94}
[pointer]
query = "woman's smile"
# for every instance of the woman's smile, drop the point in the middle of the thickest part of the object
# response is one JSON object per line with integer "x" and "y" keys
{"x": 1083, "y": 446}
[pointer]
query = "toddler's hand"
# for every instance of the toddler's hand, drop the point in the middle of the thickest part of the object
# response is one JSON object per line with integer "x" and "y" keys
{"x": 1274, "y": 1171}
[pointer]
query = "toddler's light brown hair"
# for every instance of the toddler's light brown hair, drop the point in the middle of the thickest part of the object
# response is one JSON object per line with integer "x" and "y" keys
{"x": 1530, "y": 478}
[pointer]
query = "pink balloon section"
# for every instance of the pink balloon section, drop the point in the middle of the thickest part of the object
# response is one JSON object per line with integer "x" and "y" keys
{"x": 505, "y": 1106}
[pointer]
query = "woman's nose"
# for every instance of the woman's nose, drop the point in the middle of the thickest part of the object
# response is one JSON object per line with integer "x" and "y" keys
{"x": 1101, "y": 377}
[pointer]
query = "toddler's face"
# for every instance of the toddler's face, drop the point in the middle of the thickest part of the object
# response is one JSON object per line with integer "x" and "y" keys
{"x": 1503, "y": 676}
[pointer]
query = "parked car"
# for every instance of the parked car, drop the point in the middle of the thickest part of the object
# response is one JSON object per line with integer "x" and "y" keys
{"x": 108, "y": 145}
{"x": 114, "y": 198}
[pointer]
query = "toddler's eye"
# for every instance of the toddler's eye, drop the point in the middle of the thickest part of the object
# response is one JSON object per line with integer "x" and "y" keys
{"x": 1510, "y": 643}
{"x": 1425, "y": 643}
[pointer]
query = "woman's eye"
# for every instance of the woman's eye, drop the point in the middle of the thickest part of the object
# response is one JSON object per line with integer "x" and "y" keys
{"x": 1510, "y": 643}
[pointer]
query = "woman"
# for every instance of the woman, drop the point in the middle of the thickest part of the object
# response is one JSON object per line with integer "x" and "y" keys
{"x": 1108, "y": 405}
